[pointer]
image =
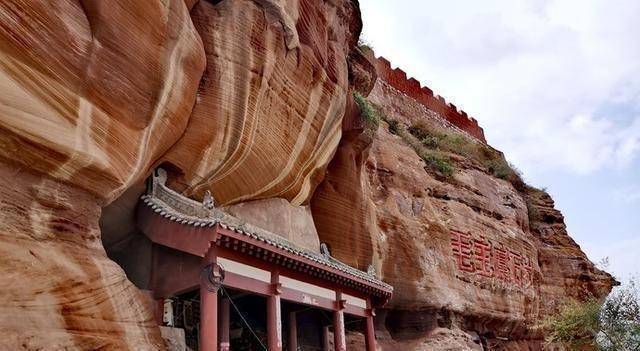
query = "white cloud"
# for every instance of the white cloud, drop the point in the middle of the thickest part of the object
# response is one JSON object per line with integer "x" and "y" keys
{"x": 549, "y": 80}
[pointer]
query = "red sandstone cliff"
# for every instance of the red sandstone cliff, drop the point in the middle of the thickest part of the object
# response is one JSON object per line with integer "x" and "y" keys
{"x": 251, "y": 99}
{"x": 476, "y": 261}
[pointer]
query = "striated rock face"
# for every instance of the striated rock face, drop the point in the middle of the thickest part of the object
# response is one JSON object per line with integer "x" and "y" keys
{"x": 95, "y": 92}
{"x": 341, "y": 207}
{"x": 269, "y": 108}
{"x": 59, "y": 289}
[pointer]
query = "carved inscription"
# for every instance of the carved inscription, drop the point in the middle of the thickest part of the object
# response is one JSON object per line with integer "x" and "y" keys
{"x": 477, "y": 256}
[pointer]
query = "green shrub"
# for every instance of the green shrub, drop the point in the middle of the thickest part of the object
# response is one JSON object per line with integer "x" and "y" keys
{"x": 461, "y": 145}
{"x": 431, "y": 141}
{"x": 498, "y": 167}
{"x": 367, "y": 111}
{"x": 574, "y": 325}
{"x": 613, "y": 325}
{"x": 434, "y": 159}
{"x": 438, "y": 162}
{"x": 449, "y": 142}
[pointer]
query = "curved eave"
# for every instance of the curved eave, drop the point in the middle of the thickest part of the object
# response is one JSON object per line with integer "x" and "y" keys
{"x": 165, "y": 226}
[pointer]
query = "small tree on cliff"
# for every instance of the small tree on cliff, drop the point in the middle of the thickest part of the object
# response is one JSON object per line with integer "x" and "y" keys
{"x": 613, "y": 325}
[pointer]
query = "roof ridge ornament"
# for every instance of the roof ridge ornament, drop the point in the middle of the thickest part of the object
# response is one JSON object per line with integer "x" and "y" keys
{"x": 371, "y": 270}
{"x": 185, "y": 206}
{"x": 208, "y": 201}
{"x": 159, "y": 178}
{"x": 324, "y": 250}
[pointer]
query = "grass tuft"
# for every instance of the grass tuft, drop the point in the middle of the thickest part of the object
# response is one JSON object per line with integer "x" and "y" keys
{"x": 491, "y": 159}
{"x": 435, "y": 159}
{"x": 368, "y": 113}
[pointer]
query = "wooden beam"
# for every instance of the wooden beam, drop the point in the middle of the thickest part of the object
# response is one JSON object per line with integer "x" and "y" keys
{"x": 195, "y": 240}
{"x": 176, "y": 272}
{"x": 290, "y": 272}
{"x": 273, "y": 255}
{"x": 236, "y": 281}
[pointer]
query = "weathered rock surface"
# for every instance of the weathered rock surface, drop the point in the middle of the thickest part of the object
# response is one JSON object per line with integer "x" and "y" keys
{"x": 469, "y": 268}
{"x": 277, "y": 215}
{"x": 566, "y": 270}
{"x": 267, "y": 119}
{"x": 340, "y": 207}
{"x": 59, "y": 289}
{"x": 95, "y": 92}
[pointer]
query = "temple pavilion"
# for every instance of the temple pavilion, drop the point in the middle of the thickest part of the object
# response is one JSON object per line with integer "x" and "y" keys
{"x": 232, "y": 285}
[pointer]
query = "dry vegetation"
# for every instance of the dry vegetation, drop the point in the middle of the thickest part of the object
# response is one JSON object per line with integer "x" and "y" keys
{"x": 437, "y": 147}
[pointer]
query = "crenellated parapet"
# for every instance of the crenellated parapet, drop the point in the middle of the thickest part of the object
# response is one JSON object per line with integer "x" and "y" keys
{"x": 397, "y": 79}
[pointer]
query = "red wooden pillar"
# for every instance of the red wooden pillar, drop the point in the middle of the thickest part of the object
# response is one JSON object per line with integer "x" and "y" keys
{"x": 224, "y": 324}
{"x": 339, "y": 339}
{"x": 208, "y": 308}
{"x": 370, "y": 332}
{"x": 274, "y": 318}
{"x": 293, "y": 331}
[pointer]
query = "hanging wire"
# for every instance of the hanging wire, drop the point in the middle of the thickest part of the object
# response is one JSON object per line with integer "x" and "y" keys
{"x": 224, "y": 291}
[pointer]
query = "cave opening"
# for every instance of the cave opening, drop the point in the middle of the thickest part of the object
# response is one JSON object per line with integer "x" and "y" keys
{"x": 123, "y": 241}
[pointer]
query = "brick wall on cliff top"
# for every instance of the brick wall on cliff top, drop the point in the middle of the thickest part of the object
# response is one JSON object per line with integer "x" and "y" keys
{"x": 397, "y": 78}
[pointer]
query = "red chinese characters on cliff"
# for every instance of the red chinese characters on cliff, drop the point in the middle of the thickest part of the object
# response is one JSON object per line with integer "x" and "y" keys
{"x": 478, "y": 256}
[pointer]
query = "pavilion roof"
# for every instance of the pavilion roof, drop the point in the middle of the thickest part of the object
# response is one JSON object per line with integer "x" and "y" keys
{"x": 178, "y": 208}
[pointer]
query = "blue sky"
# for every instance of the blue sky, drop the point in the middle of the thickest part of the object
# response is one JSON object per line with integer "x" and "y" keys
{"x": 555, "y": 84}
